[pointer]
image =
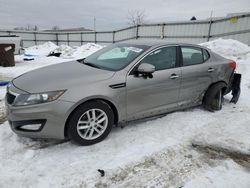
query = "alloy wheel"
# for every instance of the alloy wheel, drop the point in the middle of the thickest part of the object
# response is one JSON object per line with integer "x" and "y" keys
{"x": 92, "y": 124}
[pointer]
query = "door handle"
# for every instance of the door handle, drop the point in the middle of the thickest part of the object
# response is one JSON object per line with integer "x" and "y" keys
{"x": 174, "y": 76}
{"x": 211, "y": 70}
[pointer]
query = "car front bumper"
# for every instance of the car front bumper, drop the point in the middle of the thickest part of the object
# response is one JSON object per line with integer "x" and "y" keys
{"x": 45, "y": 120}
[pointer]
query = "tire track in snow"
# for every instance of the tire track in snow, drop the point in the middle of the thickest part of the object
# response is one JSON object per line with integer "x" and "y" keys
{"x": 170, "y": 168}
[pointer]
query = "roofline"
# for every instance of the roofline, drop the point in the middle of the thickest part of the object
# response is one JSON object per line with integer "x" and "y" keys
{"x": 158, "y": 43}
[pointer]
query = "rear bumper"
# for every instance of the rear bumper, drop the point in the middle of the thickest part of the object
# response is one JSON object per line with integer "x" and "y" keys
{"x": 235, "y": 87}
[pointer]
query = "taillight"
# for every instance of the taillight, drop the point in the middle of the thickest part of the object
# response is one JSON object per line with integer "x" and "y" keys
{"x": 232, "y": 64}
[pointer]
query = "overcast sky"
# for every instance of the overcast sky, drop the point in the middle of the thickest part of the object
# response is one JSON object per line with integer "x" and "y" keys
{"x": 110, "y": 14}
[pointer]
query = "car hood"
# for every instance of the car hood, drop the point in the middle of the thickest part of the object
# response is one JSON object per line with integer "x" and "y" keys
{"x": 61, "y": 76}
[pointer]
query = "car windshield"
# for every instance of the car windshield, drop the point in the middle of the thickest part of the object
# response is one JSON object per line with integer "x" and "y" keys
{"x": 115, "y": 57}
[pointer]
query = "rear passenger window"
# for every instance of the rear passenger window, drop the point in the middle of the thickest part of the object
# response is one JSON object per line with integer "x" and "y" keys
{"x": 191, "y": 56}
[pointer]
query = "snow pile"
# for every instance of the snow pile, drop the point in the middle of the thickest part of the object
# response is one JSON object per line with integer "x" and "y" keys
{"x": 41, "y": 50}
{"x": 78, "y": 52}
{"x": 228, "y": 48}
{"x": 86, "y": 50}
{"x": 66, "y": 51}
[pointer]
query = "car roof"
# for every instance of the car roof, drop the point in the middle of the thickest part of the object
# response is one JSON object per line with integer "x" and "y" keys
{"x": 155, "y": 43}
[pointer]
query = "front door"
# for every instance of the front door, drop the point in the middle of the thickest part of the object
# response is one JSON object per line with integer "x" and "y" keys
{"x": 150, "y": 96}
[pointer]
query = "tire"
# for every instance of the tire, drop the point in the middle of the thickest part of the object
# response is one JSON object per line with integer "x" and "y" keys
{"x": 213, "y": 98}
{"x": 84, "y": 128}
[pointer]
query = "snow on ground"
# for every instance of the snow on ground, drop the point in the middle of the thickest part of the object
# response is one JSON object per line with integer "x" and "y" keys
{"x": 21, "y": 67}
{"x": 220, "y": 175}
{"x": 153, "y": 153}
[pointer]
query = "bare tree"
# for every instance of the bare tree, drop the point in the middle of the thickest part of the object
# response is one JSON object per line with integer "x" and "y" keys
{"x": 28, "y": 27}
{"x": 19, "y": 28}
{"x": 136, "y": 17}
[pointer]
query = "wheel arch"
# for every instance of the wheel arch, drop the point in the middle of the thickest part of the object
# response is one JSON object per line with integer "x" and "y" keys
{"x": 214, "y": 83}
{"x": 221, "y": 81}
{"x": 107, "y": 101}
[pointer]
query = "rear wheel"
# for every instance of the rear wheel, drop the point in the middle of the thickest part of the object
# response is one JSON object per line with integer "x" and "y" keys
{"x": 90, "y": 123}
{"x": 213, "y": 98}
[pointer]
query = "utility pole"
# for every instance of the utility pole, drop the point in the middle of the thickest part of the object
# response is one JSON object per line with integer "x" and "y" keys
{"x": 210, "y": 25}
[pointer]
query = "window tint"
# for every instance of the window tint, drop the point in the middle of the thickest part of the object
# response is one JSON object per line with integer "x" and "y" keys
{"x": 205, "y": 55}
{"x": 164, "y": 58}
{"x": 191, "y": 56}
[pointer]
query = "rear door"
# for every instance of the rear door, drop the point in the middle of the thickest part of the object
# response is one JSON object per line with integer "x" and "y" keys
{"x": 197, "y": 73}
{"x": 151, "y": 96}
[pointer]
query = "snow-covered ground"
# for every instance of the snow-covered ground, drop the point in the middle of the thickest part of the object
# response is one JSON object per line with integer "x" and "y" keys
{"x": 153, "y": 153}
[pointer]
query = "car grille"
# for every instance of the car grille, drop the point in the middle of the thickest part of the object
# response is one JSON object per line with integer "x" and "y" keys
{"x": 10, "y": 98}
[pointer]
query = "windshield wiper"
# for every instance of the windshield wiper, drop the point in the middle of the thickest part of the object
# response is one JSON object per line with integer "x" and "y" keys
{"x": 87, "y": 63}
{"x": 91, "y": 64}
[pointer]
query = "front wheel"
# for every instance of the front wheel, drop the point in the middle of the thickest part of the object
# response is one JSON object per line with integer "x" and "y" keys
{"x": 90, "y": 123}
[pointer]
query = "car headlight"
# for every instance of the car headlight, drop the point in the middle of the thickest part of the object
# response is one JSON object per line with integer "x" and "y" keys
{"x": 37, "y": 98}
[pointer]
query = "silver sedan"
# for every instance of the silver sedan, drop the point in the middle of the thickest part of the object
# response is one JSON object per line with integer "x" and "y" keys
{"x": 83, "y": 99}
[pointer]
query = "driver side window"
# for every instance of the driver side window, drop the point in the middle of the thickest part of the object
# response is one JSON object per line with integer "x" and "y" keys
{"x": 163, "y": 58}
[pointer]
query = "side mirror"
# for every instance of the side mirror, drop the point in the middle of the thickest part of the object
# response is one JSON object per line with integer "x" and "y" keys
{"x": 146, "y": 68}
